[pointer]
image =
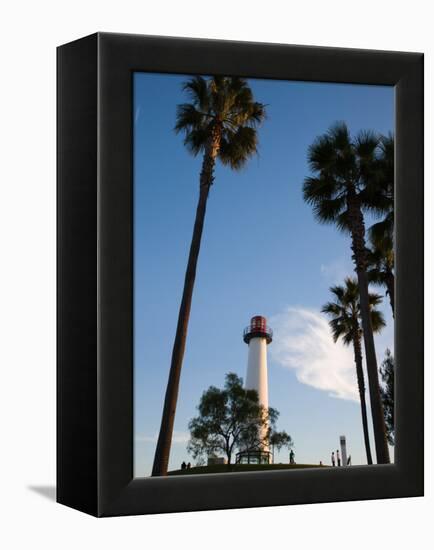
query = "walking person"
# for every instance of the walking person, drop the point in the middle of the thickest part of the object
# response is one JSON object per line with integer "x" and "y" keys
{"x": 333, "y": 459}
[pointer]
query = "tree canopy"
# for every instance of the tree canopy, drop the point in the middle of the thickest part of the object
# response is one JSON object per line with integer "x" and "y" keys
{"x": 345, "y": 311}
{"x": 223, "y": 107}
{"x": 232, "y": 419}
{"x": 387, "y": 372}
{"x": 346, "y": 170}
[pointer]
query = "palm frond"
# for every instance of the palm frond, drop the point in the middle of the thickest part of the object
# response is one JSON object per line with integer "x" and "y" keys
{"x": 339, "y": 329}
{"x": 376, "y": 276}
{"x": 196, "y": 140}
{"x": 339, "y": 134}
{"x": 188, "y": 118}
{"x": 374, "y": 299}
{"x": 332, "y": 308}
{"x": 251, "y": 114}
{"x": 197, "y": 89}
{"x": 377, "y": 320}
{"x": 237, "y": 147}
{"x": 366, "y": 144}
{"x": 316, "y": 189}
{"x": 338, "y": 291}
{"x": 332, "y": 211}
{"x": 382, "y": 231}
{"x": 345, "y": 314}
{"x": 321, "y": 193}
{"x": 321, "y": 154}
{"x": 351, "y": 288}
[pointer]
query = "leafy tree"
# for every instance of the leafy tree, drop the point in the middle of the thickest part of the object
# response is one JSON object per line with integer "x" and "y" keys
{"x": 232, "y": 419}
{"x": 340, "y": 192}
{"x": 280, "y": 440}
{"x": 345, "y": 323}
{"x": 387, "y": 372}
{"x": 220, "y": 123}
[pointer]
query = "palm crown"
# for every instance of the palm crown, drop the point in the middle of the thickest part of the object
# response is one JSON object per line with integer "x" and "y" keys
{"x": 345, "y": 311}
{"x": 342, "y": 166}
{"x": 224, "y": 105}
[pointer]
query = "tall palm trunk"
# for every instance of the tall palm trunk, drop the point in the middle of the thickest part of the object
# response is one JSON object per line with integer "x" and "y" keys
{"x": 162, "y": 452}
{"x": 359, "y": 250}
{"x": 361, "y": 385}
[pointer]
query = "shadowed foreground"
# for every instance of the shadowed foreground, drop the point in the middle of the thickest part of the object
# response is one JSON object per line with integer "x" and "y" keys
{"x": 225, "y": 468}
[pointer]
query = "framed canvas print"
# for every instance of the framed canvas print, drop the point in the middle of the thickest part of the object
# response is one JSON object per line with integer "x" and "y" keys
{"x": 240, "y": 274}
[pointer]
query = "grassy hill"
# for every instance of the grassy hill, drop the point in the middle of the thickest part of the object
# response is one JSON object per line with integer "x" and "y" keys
{"x": 225, "y": 468}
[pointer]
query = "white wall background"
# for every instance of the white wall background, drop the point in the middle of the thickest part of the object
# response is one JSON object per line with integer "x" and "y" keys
{"x": 29, "y": 34}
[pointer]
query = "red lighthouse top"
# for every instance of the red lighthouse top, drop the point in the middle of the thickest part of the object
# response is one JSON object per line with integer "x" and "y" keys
{"x": 258, "y": 329}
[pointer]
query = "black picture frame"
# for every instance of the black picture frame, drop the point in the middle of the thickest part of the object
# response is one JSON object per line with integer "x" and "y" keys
{"x": 95, "y": 261}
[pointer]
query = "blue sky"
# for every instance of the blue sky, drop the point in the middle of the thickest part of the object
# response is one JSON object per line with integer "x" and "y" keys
{"x": 262, "y": 253}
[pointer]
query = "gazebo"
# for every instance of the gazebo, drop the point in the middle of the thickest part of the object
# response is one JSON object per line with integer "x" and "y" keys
{"x": 253, "y": 456}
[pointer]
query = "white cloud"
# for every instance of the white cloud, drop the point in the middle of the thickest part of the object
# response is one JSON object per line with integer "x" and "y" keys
{"x": 303, "y": 342}
{"x": 178, "y": 437}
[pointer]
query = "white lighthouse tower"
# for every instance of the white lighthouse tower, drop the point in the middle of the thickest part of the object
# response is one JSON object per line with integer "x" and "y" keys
{"x": 257, "y": 335}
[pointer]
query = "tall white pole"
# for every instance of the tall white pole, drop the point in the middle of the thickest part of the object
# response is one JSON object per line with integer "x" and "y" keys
{"x": 343, "y": 450}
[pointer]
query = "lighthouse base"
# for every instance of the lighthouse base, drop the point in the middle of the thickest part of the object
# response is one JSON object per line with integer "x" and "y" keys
{"x": 253, "y": 457}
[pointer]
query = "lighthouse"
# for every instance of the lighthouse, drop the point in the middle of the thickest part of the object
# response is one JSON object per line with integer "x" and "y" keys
{"x": 257, "y": 336}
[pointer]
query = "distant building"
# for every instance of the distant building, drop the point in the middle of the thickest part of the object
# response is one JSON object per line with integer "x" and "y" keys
{"x": 343, "y": 442}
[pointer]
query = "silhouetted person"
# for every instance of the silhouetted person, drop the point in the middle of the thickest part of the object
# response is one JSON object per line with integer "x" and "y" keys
{"x": 291, "y": 457}
{"x": 320, "y": 462}
{"x": 338, "y": 458}
{"x": 188, "y": 466}
{"x": 333, "y": 459}
{"x": 183, "y": 466}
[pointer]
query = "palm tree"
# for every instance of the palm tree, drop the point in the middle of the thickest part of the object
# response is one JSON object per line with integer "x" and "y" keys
{"x": 345, "y": 323}
{"x": 380, "y": 272}
{"x": 220, "y": 123}
{"x": 339, "y": 192}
